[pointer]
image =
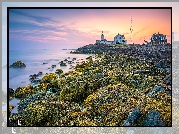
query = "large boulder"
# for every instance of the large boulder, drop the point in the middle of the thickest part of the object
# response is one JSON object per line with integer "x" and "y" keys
{"x": 152, "y": 119}
{"x": 132, "y": 118}
{"x": 18, "y": 64}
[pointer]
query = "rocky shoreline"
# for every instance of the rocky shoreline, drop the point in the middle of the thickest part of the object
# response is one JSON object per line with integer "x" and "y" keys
{"x": 119, "y": 86}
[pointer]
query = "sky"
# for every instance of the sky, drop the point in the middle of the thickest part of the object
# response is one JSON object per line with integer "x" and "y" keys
{"x": 73, "y": 28}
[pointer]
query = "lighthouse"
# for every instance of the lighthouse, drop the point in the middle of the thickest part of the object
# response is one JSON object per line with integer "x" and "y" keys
{"x": 102, "y": 36}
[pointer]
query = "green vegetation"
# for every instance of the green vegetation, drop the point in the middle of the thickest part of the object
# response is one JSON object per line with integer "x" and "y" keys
{"x": 24, "y": 92}
{"x": 59, "y": 71}
{"x": 49, "y": 78}
{"x": 98, "y": 93}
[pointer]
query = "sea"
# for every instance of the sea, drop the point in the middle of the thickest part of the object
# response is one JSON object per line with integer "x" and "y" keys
{"x": 34, "y": 60}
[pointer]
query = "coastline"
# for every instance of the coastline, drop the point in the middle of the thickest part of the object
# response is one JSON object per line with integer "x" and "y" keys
{"x": 26, "y": 82}
{"x": 108, "y": 74}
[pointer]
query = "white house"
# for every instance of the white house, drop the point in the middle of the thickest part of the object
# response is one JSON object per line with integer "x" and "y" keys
{"x": 118, "y": 39}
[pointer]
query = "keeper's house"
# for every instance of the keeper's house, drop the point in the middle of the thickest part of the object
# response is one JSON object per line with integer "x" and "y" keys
{"x": 158, "y": 39}
{"x": 118, "y": 39}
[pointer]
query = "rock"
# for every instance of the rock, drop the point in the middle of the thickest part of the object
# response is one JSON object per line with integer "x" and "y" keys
{"x": 34, "y": 76}
{"x": 158, "y": 88}
{"x": 168, "y": 80}
{"x": 65, "y": 60}
{"x": 59, "y": 71}
{"x": 132, "y": 118}
{"x": 11, "y": 92}
{"x": 35, "y": 81}
{"x": 69, "y": 62}
{"x": 63, "y": 64}
{"x": 152, "y": 119}
{"x": 168, "y": 70}
{"x": 45, "y": 63}
{"x": 155, "y": 90}
{"x": 53, "y": 66}
{"x": 73, "y": 59}
{"x": 24, "y": 92}
{"x": 163, "y": 64}
{"x": 88, "y": 57}
{"x": 40, "y": 73}
{"x": 18, "y": 64}
{"x": 159, "y": 64}
{"x": 11, "y": 107}
{"x": 98, "y": 75}
{"x": 161, "y": 123}
{"x": 168, "y": 90}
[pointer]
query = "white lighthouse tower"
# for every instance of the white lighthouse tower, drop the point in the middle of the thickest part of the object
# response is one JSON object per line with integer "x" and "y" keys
{"x": 102, "y": 36}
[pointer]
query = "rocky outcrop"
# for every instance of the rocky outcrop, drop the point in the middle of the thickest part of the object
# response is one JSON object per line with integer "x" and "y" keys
{"x": 152, "y": 119}
{"x": 24, "y": 92}
{"x": 18, "y": 64}
{"x": 132, "y": 118}
{"x": 11, "y": 93}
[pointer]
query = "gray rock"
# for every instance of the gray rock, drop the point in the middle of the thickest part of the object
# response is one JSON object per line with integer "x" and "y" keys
{"x": 132, "y": 118}
{"x": 152, "y": 119}
{"x": 168, "y": 80}
{"x": 155, "y": 90}
{"x": 158, "y": 88}
{"x": 160, "y": 64}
